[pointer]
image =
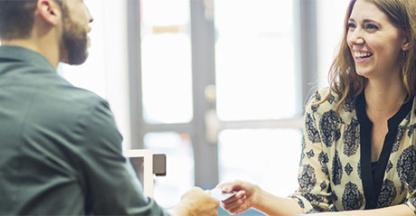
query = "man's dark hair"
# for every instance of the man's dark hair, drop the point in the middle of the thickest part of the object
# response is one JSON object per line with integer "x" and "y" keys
{"x": 16, "y": 18}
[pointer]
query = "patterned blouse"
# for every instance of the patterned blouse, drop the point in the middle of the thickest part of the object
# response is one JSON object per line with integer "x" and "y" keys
{"x": 336, "y": 172}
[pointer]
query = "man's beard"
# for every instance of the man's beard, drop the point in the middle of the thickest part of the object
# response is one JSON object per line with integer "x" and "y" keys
{"x": 75, "y": 42}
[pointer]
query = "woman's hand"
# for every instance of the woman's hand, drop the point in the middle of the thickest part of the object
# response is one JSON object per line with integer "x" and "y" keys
{"x": 247, "y": 196}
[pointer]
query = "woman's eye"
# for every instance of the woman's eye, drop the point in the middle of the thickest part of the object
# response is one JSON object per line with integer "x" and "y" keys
{"x": 351, "y": 25}
{"x": 371, "y": 26}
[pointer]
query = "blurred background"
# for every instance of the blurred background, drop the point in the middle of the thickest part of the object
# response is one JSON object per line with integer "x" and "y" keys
{"x": 217, "y": 85}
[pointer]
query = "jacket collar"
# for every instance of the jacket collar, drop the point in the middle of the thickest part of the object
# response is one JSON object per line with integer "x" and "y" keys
{"x": 25, "y": 55}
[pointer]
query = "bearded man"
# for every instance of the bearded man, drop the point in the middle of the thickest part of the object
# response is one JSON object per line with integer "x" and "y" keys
{"x": 60, "y": 151}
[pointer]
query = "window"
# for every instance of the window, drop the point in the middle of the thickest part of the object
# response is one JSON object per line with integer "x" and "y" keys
{"x": 166, "y": 61}
{"x": 255, "y": 59}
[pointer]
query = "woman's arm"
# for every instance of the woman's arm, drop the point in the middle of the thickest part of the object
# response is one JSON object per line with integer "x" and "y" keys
{"x": 252, "y": 196}
{"x": 313, "y": 192}
{"x": 279, "y": 206}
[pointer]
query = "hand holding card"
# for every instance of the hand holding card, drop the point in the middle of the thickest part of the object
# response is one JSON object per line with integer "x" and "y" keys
{"x": 221, "y": 196}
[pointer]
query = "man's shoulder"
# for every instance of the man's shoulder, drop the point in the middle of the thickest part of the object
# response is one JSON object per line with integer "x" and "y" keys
{"x": 66, "y": 104}
{"x": 80, "y": 97}
{"x": 81, "y": 101}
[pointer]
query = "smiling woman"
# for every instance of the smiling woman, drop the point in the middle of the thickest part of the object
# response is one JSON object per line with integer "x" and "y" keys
{"x": 358, "y": 152}
{"x": 381, "y": 28}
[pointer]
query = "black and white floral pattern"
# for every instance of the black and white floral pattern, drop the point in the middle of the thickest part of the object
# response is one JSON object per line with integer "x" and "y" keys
{"x": 387, "y": 194}
{"x": 336, "y": 169}
{"x": 338, "y": 161}
{"x": 299, "y": 201}
{"x": 406, "y": 166}
{"x": 352, "y": 197}
{"x": 349, "y": 104}
{"x": 352, "y": 138}
{"x": 317, "y": 96}
{"x": 389, "y": 166}
{"x": 310, "y": 153}
{"x": 313, "y": 197}
{"x": 314, "y": 107}
{"x": 323, "y": 160}
{"x": 329, "y": 126}
{"x": 315, "y": 104}
{"x": 315, "y": 200}
{"x": 333, "y": 197}
{"x": 348, "y": 168}
{"x": 400, "y": 133}
{"x": 331, "y": 98}
{"x": 323, "y": 185}
{"x": 307, "y": 178}
{"x": 411, "y": 128}
{"x": 301, "y": 204}
{"x": 311, "y": 130}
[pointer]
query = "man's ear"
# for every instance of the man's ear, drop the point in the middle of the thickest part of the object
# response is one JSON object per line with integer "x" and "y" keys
{"x": 49, "y": 11}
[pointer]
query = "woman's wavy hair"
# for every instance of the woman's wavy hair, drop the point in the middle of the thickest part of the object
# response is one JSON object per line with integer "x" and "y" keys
{"x": 343, "y": 78}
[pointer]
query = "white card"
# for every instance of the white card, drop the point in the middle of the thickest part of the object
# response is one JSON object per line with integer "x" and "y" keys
{"x": 221, "y": 196}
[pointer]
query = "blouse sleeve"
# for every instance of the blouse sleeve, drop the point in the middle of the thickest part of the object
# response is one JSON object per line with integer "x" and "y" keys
{"x": 406, "y": 165}
{"x": 409, "y": 157}
{"x": 314, "y": 193}
{"x": 411, "y": 202}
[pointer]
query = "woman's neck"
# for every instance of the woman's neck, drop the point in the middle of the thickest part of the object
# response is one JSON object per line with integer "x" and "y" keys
{"x": 384, "y": 97}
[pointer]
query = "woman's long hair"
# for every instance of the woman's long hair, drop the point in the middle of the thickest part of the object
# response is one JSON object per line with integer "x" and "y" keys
{"x": 343, "y": 78}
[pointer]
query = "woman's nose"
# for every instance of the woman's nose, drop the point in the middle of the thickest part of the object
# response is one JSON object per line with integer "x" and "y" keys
{"x": 359, "y": 40}
{"x": 356, "y": 37}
